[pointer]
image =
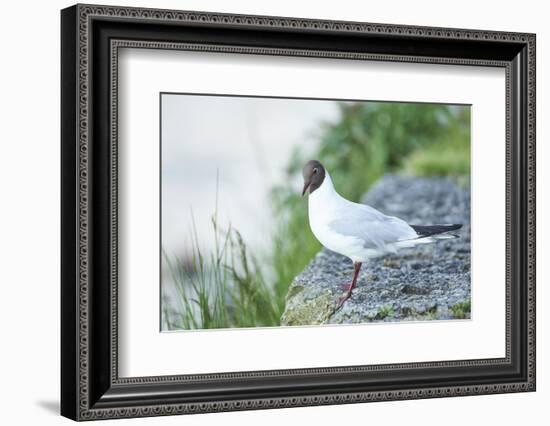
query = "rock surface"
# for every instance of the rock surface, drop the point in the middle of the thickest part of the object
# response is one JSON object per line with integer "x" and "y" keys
{"x": 430, "y": 281}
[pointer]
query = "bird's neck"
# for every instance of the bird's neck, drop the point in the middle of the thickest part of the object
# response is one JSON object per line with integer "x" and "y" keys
{"x": 325, "y": 190}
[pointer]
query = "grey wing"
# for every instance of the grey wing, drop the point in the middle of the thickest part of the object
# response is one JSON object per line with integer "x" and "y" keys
{"x": 373, "y": 227}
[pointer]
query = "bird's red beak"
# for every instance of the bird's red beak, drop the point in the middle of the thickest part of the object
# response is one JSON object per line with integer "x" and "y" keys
{"x": 306, "y": 186}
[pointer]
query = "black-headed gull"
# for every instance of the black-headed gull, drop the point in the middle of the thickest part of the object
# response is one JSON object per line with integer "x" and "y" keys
{"x": 356, "y": 230}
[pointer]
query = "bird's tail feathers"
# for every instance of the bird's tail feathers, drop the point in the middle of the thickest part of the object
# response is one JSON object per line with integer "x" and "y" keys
{"x": 437, "y": 232}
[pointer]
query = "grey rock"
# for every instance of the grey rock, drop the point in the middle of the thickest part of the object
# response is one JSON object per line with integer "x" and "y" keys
{"x": 427, "y": 282}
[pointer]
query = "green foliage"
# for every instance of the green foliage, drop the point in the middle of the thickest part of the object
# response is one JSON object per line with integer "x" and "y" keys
{"x": 225, "y": 289}
{"x": 439, "y": 162}
{"x": 461, "y": 309}
{"x": 385, "y": 312}
{"x": 449, "y": 157}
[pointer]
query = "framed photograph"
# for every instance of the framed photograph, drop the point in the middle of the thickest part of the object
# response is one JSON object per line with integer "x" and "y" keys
{"x": 263, "y": 212}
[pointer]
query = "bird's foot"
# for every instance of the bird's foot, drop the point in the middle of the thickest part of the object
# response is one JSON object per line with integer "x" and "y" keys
{"x": 343, "y": 299}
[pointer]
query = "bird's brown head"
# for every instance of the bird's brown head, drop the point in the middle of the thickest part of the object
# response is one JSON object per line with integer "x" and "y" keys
{"x": 314, "y": 174}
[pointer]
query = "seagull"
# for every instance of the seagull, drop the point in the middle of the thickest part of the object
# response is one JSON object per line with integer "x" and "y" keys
{"x": 358, "y": 231}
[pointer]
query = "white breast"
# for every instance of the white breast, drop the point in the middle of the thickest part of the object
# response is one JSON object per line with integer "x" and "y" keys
{"x": 324, "y": 205}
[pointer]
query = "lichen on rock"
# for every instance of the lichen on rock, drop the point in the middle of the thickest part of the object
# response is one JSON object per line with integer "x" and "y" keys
{"x": 427, "y": 282}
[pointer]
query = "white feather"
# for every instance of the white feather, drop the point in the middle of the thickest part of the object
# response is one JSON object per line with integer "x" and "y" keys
{"x": 356, "y": 230}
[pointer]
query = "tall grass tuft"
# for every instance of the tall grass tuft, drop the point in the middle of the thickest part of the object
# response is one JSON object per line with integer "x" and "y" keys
{"x": 223, "y": 289}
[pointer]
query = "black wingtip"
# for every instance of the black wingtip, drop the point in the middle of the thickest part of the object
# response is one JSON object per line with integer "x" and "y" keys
{"x": 428, "y": 230}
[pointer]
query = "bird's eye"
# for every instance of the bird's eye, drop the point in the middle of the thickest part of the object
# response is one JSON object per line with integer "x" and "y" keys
{"x": 315, "y": 170}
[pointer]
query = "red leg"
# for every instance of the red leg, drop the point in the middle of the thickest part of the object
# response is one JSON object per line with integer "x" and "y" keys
{"x": 357, "y": 268}
{"x": 346, "y": 286}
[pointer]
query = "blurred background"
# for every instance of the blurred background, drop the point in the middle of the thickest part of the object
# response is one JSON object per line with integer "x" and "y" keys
{"x": 234, "y": 226}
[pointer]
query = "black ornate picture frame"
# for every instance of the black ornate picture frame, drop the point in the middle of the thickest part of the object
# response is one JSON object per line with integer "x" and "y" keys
{"x": 90, "y": 38}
